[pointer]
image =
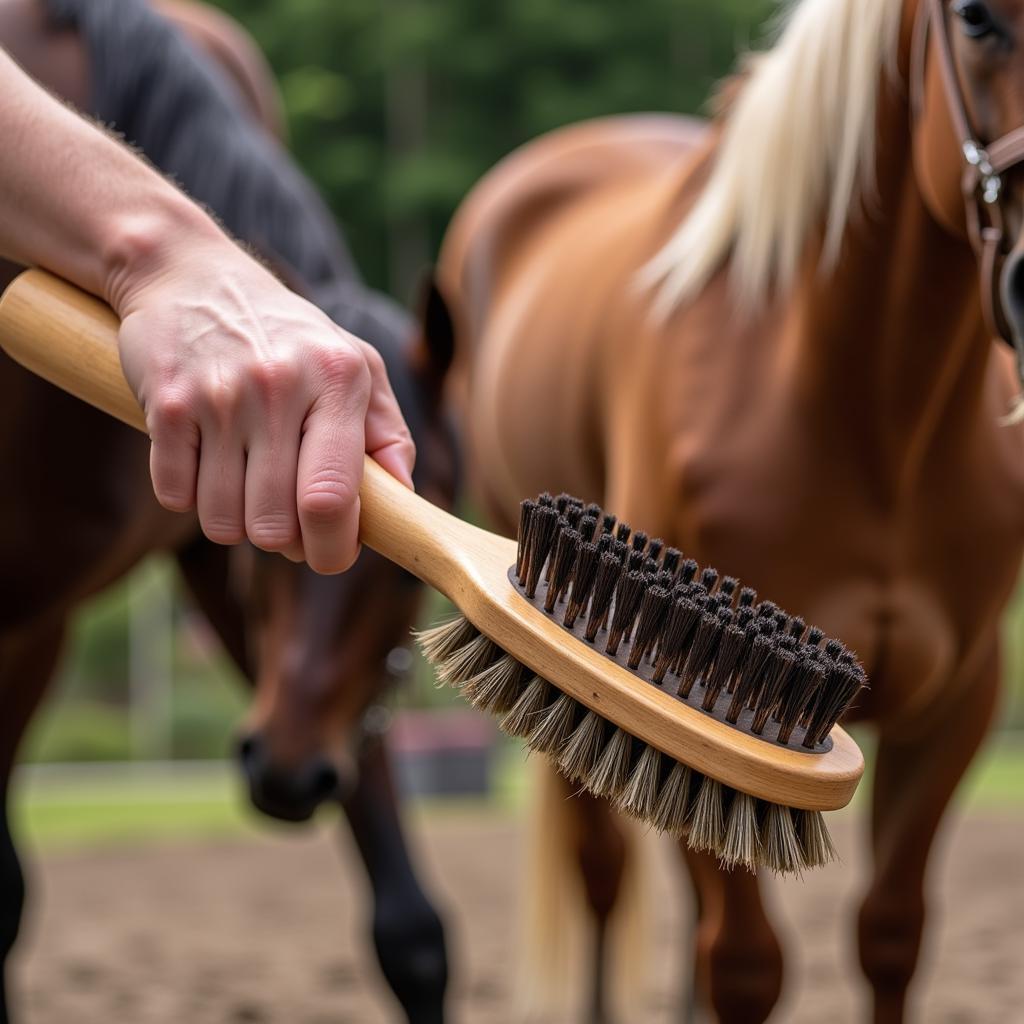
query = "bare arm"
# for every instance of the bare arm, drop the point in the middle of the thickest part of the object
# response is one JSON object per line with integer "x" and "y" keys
{"x": 259, "y": 407}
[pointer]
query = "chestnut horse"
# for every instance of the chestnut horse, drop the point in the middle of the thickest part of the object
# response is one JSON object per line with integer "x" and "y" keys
{"x": 763, "y": 340}
{"x": 316, "y": 648}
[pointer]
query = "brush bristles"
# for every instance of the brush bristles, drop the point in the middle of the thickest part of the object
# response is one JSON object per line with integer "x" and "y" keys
{"x": 498, "y": 687}
{"x": 641, "y": 794}
{"x": 742, "y": 840}
{"x": 781, "y": 845}
{"x": 694, "y": 634}
{"x": 816, "y": 849}
{"x": 611, "y": 772}
{"x": 522, "y": 717}
{"x": 554, "y": 727}
{"x": 479, "y": 654}
{"x": 440, "y": 642}
{"x": 581, "y": 751}
{"x": 636, "y": 777}
{"x": 707, "y": 819}
{"x": 673, "y": 803}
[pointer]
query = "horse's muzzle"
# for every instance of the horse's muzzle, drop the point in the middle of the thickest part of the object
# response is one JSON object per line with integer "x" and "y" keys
{"x": 290, "y": 793}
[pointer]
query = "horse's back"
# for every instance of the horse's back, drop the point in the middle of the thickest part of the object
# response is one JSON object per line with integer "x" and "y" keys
{"x": 555, "y": 218}
{"x": 512, "y": 205}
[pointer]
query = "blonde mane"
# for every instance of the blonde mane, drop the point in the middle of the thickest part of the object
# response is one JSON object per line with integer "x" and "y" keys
{"x": 798, "y": 146}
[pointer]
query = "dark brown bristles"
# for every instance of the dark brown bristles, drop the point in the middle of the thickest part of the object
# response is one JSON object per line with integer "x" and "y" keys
{"x": 730, "y": 650}
{"x": 583, "y": 575}
{"x": 565, "y": 557}
{"x": 628, "y": 596}
{"x": 541, "y": 534}
{"x": 698, "y": 637}
{"x": 608, "y": 570}
{"x": 701, "y": 654}
{"x": 683, "y": 617}
{"x": 653, "y": 609}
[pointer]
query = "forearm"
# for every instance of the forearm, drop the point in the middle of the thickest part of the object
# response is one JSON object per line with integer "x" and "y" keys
{"x": 77, "y": 202}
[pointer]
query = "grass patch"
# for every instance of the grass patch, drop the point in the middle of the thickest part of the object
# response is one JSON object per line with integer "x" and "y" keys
{"x": 86, "y": 807}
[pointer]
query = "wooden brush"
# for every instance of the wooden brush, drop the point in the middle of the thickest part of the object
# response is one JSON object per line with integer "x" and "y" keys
{"x": 667, "y": 689}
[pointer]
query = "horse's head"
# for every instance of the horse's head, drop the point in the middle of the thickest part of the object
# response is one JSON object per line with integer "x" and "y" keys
{"x": 323, "y": 646}
{"x": 968, "y": 80}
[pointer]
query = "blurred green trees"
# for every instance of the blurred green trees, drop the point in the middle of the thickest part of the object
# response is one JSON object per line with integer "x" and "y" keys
{"x": 397, "y": 106}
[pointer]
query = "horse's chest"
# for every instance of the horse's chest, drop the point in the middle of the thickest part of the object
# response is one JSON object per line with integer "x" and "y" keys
{"x": 914, "y": 586}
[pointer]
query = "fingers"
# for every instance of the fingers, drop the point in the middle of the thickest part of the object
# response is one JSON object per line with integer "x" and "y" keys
{"x": 330, "y": 466}
{"x": 174, "y": 455}
{"x": 388, "y": 440}
{"x": 220, "y": 487}
{"x": 274, "y": 428}
{"x": 267, "y": 441}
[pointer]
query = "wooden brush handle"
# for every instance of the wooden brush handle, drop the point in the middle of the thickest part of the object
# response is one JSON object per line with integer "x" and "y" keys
{"x": 70, "y": 339}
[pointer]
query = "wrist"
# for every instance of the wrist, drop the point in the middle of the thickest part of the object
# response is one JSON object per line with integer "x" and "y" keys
{"x": 142, "y": 246}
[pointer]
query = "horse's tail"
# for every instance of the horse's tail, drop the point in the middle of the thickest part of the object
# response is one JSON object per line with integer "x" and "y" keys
{"x": 558, "y": 933}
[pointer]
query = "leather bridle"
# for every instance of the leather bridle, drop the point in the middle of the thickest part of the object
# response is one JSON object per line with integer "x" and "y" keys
{"x": 984, "y": 169}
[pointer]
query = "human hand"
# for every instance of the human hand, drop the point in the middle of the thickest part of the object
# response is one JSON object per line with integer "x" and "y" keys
{"x": 258, "y": 405}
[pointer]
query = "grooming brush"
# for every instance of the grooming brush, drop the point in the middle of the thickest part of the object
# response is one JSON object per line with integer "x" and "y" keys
{"x": 664, "y": 687}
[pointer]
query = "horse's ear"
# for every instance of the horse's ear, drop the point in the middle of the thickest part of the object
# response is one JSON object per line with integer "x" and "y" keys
{"x": 435, "y": 344}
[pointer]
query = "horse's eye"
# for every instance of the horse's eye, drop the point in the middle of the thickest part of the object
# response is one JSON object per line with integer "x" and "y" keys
{"x": 975, "y": 18}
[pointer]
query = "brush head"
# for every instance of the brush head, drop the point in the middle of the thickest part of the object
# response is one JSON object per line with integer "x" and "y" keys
{"x": 691, "y": 640}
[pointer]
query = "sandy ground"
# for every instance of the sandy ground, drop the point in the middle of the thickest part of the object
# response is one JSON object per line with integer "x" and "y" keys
{"x": 269, "y": 929}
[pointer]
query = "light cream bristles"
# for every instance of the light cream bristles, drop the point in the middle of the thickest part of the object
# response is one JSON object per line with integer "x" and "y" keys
{"x": 554, "y": 727}
{"x": 611, "y": 772}
{"x": 582, "y": 749}
{"x": 498, "y": 687}
{"x": 741, "y": 839}
{"x": 780, "y": 848}
{"x": 641, "y": 792}
{"x": 441, "y": 642}
{"x": 468, "y": 661}
{"x": 815, "y": 842}
{"x": 674, "y": 800}
{"x": 707, "y": 822}
{"x": 522, "y": 718}
{"x": 733, "y": 826}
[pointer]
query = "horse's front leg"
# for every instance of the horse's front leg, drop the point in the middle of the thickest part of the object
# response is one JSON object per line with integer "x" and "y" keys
{"x": 27, "y": 659}
{"x": 913, "y": 781}
{"x": 738, "y": 971}
{"x": 407, "y": 931}
{"x": 601, "y": 852}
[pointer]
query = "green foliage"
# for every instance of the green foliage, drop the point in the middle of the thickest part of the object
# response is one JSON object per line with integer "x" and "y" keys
{"x": 396, "y": 107}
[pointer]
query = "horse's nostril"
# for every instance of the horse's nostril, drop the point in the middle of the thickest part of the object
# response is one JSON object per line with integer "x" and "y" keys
{"x": 324, "y": 781}
{"x": 246, "y": 748}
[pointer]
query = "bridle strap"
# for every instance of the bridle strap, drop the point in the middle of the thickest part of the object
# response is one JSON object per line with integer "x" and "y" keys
{"x": 983, "y": 169}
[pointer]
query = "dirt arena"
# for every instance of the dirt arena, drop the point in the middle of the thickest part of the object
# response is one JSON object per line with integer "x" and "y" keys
{"x": 268, "y": 929}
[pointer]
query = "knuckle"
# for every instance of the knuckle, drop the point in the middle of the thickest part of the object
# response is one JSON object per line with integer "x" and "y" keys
{"x": 168, "y": 413}
{"x": 375, "y": 363}
{"x": 326, "y": 499}
{"x": 273, "y": 380}
{"x": 222, "y": 399}
{"x": 344, "y": 366}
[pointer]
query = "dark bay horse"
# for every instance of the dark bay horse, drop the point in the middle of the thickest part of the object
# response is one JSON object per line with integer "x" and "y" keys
{"x": 762, "y": 338}
{"x": 82, "y": 511}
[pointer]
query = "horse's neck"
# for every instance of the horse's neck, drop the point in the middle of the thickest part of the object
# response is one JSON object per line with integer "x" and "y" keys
{"x": 894, "y": 340}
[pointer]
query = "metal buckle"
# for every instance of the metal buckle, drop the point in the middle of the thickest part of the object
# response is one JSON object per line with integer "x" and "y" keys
{"x": 989, "y": 182}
